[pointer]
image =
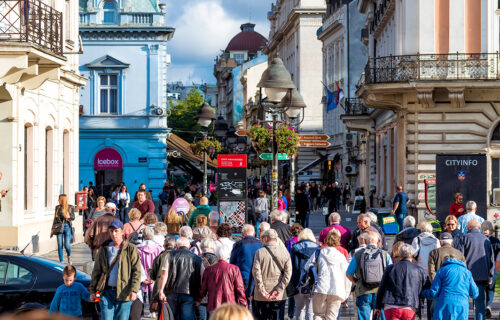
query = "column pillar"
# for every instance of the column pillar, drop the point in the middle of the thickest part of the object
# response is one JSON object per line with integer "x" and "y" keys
{"x": 442, "y": 26}
{"x": 472, "y": 26}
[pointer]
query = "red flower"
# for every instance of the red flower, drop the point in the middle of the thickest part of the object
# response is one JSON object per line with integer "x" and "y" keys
{"x": 496, "y": 215}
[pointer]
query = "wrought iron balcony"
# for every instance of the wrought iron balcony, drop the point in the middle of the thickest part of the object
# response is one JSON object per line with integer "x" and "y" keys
{"x": 433, "y": 67}
{"x": 355, "y": 107}
{"x": 33, "y": 22}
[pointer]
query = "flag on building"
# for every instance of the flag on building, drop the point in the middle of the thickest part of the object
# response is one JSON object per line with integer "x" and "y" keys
{"x": 333, "y": 99}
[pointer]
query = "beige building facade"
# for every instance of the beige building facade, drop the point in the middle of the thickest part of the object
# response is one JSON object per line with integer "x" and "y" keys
{"x": 39, "y": 112}
{"x": 432, "y": 79}
{"x": 294, "y": 24}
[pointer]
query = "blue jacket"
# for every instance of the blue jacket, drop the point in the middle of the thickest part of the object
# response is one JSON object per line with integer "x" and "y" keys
{"x": 300, "y": 253}
{"x": 453, "y": 285}
{"x": 242, "y": 255}
{"x": 401, "y": 285}
{"x": 68, "y": 300}
{"x": 479, "y": 255}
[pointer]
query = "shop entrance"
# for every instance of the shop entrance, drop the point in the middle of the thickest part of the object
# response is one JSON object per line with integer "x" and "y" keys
{"x": 108, "y": 169}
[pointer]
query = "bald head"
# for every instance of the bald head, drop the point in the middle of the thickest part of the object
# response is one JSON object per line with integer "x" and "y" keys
{"x": 399, "y": 188}
{"x": 473, "y": 224}
{"x": 204, "y": 201}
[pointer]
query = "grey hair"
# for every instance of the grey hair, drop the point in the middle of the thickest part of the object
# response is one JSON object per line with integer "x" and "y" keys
{"x": 207, "y": 245}
{"x": 214, "y": 217}
{"x": 223, "y": 253}
{"x": 271, "y": 234}
{"x": 148, "y": 233}
{"x": 364, "y": 217}
{"x": 277, "y": 215}
{"x": 425, "y": 226}
{"x": 182, "y": 242}
{"x": 160, "y": 228}
{"x": 248, "y": 230}
{"x": 470, "y": 205}
{"x": 473, "y": 224}
{"x": 448, "y": 241}
{"x": 186, "y": 232}
{"x": 264, "y": 226}
{"x": 362, "y": 237}
{"x": 285, "y": 215}
{"x": 372, "y": 237}
{"x": 409, "y": 221}
{"x": 406, "y": 251}
{"x": 306, "y": 234}
{"x": 373, "y": 217}
{"x": 169, "y": 242}
{"x": 334, "y": 217}
{"x": 487, "y": 227}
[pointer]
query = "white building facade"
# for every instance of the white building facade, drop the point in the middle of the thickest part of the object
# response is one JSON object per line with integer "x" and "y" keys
{"x": 294, "y": 24}
{"x": 39, "y": 113}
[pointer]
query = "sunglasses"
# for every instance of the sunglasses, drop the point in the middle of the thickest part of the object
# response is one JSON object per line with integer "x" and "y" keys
{"x": 451, "y": 224}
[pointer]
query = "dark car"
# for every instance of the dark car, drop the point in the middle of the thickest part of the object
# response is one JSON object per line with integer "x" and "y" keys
{"x": 27, "y": 281}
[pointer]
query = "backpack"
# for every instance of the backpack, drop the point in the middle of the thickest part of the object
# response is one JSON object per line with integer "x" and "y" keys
{"x": 136, "y": 237}
{"x": 309, "y": 278}
{"x": 372, "y": 267}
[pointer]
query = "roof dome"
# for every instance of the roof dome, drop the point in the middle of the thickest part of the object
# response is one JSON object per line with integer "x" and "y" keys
{"x": 247, "y": 40}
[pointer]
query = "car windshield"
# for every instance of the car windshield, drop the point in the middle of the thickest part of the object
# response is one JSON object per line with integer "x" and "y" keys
{"x": 80, "y": 275}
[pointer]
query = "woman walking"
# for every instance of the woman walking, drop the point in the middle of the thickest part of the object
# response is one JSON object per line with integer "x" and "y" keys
{"x": 261, "y": 207}
{"x": 122, "y": 202}
{"x": 62, "y": 227}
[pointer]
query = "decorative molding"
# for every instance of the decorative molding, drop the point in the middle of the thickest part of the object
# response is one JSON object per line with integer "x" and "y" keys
{"x": 457, "y": 97}
{"x": 426, "y": 97}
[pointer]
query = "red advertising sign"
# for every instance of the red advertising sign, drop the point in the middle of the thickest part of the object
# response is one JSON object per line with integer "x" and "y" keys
{"x": 81, "y": 200}
{"x": 108, "y": 158}
{"x": 232, "y": 160}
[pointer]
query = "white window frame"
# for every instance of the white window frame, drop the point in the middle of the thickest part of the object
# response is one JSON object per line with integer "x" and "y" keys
{"x": 108, "y": 87}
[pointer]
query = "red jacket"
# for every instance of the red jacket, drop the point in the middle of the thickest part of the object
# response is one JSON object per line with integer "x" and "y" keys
{"x": 223, "y": 283}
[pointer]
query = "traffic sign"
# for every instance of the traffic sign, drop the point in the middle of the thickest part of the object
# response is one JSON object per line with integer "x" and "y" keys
{"x": 313, "y": 137}
{"x": 313, "y": 144}
{"x": 241, "y": 132}
{"x": 269, "y": 156}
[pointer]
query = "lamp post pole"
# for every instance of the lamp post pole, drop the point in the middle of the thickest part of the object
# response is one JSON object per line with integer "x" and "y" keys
{"x": 205, "y": 191}
{"x": 291, "y": 207}
{"x": 274, "y": 177}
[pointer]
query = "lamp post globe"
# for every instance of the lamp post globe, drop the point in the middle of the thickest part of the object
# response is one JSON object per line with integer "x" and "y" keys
{"x": 205, "y": 115}
{"x": 294, "y": 105}
{"x": 276, "y": 81}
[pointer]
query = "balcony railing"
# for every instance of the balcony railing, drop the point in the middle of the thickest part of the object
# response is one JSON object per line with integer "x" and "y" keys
{"x": 355, "y": 107}
{"x": 435, "y": 67}
{"x": 31, "y": 21}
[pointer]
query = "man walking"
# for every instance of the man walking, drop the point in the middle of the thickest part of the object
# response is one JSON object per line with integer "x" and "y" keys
{"x": 278, "y": 223}
{"x": 272, "y": 271}
{"x": 409, "y": 232}
{"x": 439, "y": 255}
{"x": 401, "y": 200}
{"x": 203, "y": 209}
{"x": 364, "y": 224}
{"x": 479, "y": 255}
{"x": 180, "y": 281}
{"x": 345, "y": 233}
{"x": 142, "y": 187}
{"x": 122, "y": 281}
{"x": 143, "y": 204}
{"x": 302, "y": 206}
{"x": 366, "y": 270}
{"x": 244, "y": 251}
{"x": 471, "y": 208}
{"x": 97, "y": 233}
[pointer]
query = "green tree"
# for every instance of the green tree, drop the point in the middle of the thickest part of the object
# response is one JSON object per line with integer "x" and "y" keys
{"x": 182, "y": 113}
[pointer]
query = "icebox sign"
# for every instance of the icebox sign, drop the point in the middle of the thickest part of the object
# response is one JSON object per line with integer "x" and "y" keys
{"x": 464, "y": 173}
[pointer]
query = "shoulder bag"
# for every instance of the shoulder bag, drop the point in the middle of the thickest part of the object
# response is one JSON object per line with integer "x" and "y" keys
{"x": 57, "y": 224}
{"x": 101, "y": 284}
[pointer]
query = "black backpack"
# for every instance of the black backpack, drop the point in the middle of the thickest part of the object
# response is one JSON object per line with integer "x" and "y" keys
{"x": 136, "y": 237}
{"x": 372, "y": 267}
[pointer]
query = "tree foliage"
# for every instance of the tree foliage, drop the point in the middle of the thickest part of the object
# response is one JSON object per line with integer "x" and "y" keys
{"x": 182, "y": 113}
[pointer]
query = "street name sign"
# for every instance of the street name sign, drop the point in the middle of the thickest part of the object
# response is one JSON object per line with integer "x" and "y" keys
{"x": 313, "y": 137}
{"x": 269, "y": 156}
{"x": 313, "y": 144}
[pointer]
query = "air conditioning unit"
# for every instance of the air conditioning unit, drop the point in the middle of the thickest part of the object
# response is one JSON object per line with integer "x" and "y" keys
{"x": 350, "y": 170}
{"x": 350, "y": 140}
{"x": 496, "y": 196}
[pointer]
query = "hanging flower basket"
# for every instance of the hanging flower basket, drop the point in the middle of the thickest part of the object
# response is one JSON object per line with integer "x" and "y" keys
{"x": 211, "y": 147}
{"x": 260, "y": 137}
{"x": 287, "y": 139}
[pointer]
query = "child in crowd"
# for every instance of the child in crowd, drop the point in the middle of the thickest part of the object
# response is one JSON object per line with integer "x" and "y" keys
{"x": 68, "y": 297}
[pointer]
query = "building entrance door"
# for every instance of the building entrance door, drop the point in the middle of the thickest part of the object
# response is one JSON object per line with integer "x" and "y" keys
{"x": 105, "y": 180}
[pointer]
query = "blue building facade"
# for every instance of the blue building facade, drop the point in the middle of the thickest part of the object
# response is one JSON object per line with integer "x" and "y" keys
{"x": 123, "y": 124}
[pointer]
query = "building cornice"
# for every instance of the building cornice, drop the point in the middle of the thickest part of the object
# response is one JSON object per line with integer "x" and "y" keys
{"x": 90, "y": 33}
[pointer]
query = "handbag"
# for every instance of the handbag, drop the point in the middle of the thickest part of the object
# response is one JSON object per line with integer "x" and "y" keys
{"x": 101, "y": 284}
{"x": 324, "y": 211}
{"x": 88, "y": 222}
{"x": 57, "y": 225}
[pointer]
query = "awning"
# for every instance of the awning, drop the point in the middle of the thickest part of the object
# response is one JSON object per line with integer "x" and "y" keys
{"x": 174, "y": 142}
{"x": 312, "y": 164}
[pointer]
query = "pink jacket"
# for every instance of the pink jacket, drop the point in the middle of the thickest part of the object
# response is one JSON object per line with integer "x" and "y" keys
{"x": 148, "y": 251}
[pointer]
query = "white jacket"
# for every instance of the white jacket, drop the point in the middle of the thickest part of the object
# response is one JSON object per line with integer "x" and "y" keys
{"x": 331, "y": 267}
{"x": 423, "y": 244}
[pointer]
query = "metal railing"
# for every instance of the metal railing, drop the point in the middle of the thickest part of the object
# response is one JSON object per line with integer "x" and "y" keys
{"x": 31, "y": 21}
{"x": 355, "y": 107}
{"x": 441, "y": 67}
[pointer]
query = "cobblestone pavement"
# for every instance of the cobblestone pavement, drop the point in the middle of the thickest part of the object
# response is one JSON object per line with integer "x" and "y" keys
{"x": 81, "y": 256}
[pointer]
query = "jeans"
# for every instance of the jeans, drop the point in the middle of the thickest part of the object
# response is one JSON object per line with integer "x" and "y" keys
{"x": 399, "y": 219}
{"x": 491, "y": 290}
{"x": 270, "y": 310}
{"x": 365, "y": 304}
{"x": 307, "y": 221}
{"x": 480, "y": 302}
{"x": 303, "y": 306}
{"x": 65, "y": 238}
{"x": 291, "y": 307}
{"x": 200, "y": 312}
{"x": 182, "y": 306}
{"x": 112, "y": 309}
{"x": 123, "y": 214}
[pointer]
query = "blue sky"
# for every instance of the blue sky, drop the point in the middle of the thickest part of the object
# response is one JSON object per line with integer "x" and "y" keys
{"x": 203, "y": 29}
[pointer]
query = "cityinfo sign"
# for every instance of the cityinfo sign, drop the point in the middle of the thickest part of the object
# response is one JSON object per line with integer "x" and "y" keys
{"x": 464, "y": 173}
{"x": 108, "y": 158}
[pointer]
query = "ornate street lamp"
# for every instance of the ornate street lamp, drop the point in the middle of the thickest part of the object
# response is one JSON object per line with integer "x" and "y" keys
{"x": 277, "y": 82}
{"x": 205, "y": 116}
{"x": 220, "y": 127}
{"x": 231, "y": 136}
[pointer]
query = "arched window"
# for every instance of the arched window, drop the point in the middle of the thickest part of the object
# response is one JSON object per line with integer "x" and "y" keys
{"x": 109, "y": 12}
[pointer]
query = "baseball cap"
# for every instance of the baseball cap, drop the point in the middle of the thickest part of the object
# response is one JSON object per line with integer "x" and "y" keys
{"x": 188, "y": 197}
{"x": 111, "y": 205}
{"x": 445, "y": 236}
{"x": 116, "y": 224}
